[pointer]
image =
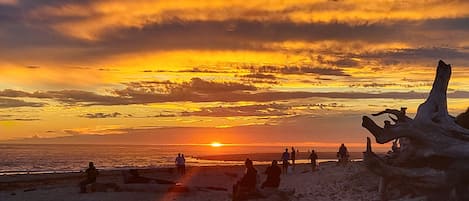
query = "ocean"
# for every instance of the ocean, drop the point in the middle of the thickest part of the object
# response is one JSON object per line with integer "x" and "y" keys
{"x": 48, "y": 158}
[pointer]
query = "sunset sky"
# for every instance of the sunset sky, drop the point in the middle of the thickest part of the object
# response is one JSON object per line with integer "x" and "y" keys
{"x": 241, "y": 72}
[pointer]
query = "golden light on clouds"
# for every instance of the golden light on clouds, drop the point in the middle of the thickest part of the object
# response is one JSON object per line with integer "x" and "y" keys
{"x": 186, "y": 71}
{"x": 100, "y": 16}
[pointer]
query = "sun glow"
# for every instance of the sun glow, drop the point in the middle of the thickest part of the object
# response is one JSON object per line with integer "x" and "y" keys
{"x": 216, "y": 144}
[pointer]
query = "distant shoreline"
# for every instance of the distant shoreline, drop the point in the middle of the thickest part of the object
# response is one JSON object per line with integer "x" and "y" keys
{"x": 275, "y": 156}
{"x": 205, "y": 161}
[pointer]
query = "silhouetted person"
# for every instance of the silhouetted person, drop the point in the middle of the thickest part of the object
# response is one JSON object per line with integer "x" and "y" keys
{"x": 463, "y": 119}
{"x": 313, "y": 157}
{"x": 285, "y": 158}
{"x": 293, "y": 157}
{"x": 133, "y": 177}
{"x": 180, "y": 164}
{"x": 248, "y": 182}
{"x": 183, "y": 168}
{"x": 343, "y": 154}
{"x": 91, "y": 175}
{"x": 273, "y": 175}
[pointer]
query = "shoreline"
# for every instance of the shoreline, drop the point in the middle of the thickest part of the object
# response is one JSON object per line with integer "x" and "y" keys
{"x": 199, "y": 161}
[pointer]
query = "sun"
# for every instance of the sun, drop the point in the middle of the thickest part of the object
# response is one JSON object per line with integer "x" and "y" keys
{"x": 216, "y": 144}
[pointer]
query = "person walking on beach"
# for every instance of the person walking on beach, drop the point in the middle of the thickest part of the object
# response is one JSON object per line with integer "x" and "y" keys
{"x": 293, "y": 157}
{"x": 91, "y": 175}
{"x": 285, "y": 158}
{"x": 273, "y": 176}
{"x": 313, "y": 157}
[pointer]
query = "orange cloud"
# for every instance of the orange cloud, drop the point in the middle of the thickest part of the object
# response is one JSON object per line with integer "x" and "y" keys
{"x": 91, "y": 19}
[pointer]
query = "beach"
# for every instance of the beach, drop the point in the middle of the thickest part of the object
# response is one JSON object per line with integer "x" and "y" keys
{"x": 330, "y": 182}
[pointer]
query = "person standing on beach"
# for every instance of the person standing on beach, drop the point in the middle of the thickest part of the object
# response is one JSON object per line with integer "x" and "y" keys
{"x": 313, "y": 157}
{"x": 285, "y": 158}
{"x": 293, "y": 157}
{"x": 91, "y": 175}
{"x": 183, "y": 168}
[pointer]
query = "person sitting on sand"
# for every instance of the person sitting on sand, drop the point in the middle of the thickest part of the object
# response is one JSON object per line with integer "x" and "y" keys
{"x": 313, "y": 157}
{"x": 273, "y": 175}
{"x": 343, "y": 154}
{"x": 91, "y": 175}
{"x": 248, "y": 182}
{"x": 133, "y": 177}
{"x": 285, "y": 158}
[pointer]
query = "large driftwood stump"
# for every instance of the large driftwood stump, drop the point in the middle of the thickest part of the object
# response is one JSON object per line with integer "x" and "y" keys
{"x": 435, "y": 157}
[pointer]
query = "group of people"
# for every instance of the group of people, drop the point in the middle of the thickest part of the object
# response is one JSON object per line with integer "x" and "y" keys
{"x": 247, "y": 183}
{"x": 180, "y": 164}
{"x": 343, "y": 155}
{"x": 286, "y": 156}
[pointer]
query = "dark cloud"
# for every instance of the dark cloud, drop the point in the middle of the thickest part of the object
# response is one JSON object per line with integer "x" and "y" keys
{"x": 381, "y": 85}
{"x": 8, "y": 103}
{"x": 25, "y": 119}
{"x": 342, "y": 62}
{"x": 193, "y": 70}
{"x": 298, "y": 70}
{"x": 247, "y": 110}
{"x": 101, "y": 115}
{"x": 10, "y": 118}
{"x": 68, "y": 96}
{"x": 72, "y": 132}
{"x": 255, "y": 34}
{"x": 33, "y": 67}
{"x": 196, "y": 90}
{"x": 30, "y": 35}
{"x": 459, "y": 94}
{"x": 162, "y": 115}
{"x": 422, "y": 55}
{"x": 260, "y": 76}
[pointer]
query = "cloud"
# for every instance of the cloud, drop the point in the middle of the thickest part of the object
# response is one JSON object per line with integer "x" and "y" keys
{"x": 298, "y": 70}
{"x": 162, "y": 115}
{"x": 89, "y": 19}
{"x": 260, "y": 76}
{"x": 101, "y": 115}
{"x": 9, "y": 118}
{"x": 247, "y": 110}
{"x": 8, "y": 103}
{"x": 196, "y": 90}
{"x": 23, "y": 35}
{"x": 426, "y": 55}
{"x": 21, "y": 119}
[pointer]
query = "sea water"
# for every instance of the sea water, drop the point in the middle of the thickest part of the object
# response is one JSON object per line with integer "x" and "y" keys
{"x": 48, "y": 158}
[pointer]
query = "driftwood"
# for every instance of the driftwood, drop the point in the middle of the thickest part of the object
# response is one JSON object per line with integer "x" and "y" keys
{"x": 434, "y": 155}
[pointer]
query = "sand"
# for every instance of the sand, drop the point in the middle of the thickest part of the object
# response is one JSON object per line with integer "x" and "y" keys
{"x": 330, "y": 182}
